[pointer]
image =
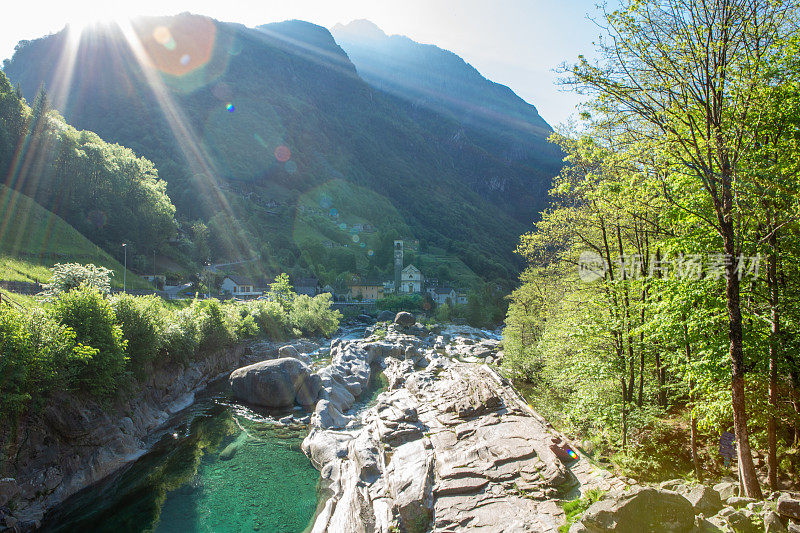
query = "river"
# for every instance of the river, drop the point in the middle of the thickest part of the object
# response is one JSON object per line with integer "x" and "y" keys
{"x": 218, "y": 465}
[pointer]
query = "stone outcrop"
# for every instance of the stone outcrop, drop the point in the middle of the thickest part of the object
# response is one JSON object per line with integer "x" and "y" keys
{"x": 276, "y": 383}
{"x": 449, "y": 446}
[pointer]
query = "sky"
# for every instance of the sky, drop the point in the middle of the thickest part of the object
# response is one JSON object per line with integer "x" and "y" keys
{"x": 518, "y": 43}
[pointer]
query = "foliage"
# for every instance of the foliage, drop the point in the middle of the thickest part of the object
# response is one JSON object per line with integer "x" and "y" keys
{"x": 683, "y": 178}
{"x": 66, "y": 277}
{"x": 86, "y": 342}
{"x": 91, "y": 316}
{"x": 400, "y": 302}
{"x": 141, "y": 320}
{"x": 103, "y": 190}
{"x": 313, "y": 316}
{"x": 575, "y": 508}
{"x": 281, "y": 291}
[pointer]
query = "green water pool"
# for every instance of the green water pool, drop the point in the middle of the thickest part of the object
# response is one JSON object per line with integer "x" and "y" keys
{"x": 220, "y": 467}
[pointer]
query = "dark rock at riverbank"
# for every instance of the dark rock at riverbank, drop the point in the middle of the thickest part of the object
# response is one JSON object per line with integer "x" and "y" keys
{"x": 276, "y": 383}
{"x": 404, "y": 319}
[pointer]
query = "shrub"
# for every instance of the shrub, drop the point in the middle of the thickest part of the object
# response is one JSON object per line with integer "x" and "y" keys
{"x": 313, "y": 316}
{"x": 271, "y": 319}
{"x": 68, "y": 276}
{"x": 142, "y": 319}
{"x": 91, "y": 316}
{"x": 181, "y": 336}
{"x": 215, "y": 326}
{"x": 16, "y": 359}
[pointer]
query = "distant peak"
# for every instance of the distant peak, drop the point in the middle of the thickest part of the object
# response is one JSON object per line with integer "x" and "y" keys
{"x": 362, "y": 28}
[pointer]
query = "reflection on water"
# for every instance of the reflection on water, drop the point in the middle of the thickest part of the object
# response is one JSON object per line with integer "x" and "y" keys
{"x": 224, "y": 467}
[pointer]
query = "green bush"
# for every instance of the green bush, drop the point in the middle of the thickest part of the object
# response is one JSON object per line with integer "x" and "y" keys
{"x": 142, "y": 319}
{"x": 16, "y": 359}
{"x": 272, "y": 320}
{"x": 91, "y": 316}
{"x": 217, "y": 329}
{"x": 181, "y": 335}
{"x": 313, "y": 316}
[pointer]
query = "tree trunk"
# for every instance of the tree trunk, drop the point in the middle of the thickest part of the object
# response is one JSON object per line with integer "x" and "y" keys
{"x": 746, "y": 468}
{"x": 772, "y": 424}
{"x": 695, "y": 456}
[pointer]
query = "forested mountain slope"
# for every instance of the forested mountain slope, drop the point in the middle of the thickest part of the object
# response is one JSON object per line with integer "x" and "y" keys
{"x": 247, "y": 125}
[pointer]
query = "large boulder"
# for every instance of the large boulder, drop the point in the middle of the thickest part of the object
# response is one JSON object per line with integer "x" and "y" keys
{"x": 704, "y": 500}
{"x": 404, "y": 319}
{"x": 640, "y": 511}
{"x": 385, "y": 316}
{"x": 275, "y": 383}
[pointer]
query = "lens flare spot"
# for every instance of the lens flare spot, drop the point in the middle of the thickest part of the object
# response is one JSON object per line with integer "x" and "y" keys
{"x": 230, "y": 107}
{"x": 185, "y": 58}
{"x": 291, "y": 167}
{"x": 363, "y": 245}
{"x": 342, "y": 226}
{"x": 572, "y": 454}
{"x": 334, "y": 212}
{"x": 162, "y": 35}
{"x": 371, "y": 253}
{"x": 355, "y": 238}
{"x": 282, "y": 153}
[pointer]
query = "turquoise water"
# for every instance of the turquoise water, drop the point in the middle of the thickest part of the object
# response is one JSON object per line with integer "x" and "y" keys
{"x": 221, "y": 467}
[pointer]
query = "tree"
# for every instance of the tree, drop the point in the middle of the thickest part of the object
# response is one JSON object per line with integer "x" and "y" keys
{"x": 688, "y": 74}
{"x": 281, "y": 291}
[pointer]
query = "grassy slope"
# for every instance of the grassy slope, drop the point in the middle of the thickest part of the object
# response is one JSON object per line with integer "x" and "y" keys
{"x": 32, "y": 239}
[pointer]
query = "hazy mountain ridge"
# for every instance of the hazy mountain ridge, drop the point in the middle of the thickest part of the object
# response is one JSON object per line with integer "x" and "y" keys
{"x": 509, "y": 130}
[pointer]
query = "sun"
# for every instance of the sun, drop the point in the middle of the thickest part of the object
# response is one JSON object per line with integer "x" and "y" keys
{"x": 101, "y": 14}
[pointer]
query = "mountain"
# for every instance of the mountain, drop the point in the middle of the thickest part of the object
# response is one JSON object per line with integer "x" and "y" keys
{"x": 508, "y": 129}
{"x": 274, "y": 148}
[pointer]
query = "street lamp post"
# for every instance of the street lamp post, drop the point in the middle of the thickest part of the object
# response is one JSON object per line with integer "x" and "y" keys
{"x": 125, "y": 267}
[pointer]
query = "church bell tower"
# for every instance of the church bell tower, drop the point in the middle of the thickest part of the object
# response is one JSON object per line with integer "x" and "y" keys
{"x": 398, "y": 264}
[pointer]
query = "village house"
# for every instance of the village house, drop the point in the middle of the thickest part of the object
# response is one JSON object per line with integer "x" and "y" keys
{"x": 239, "y": 287}
{"x": 443, "y": 295}
{"x": 411, "y": 280}
{"x": 370, "y": 290}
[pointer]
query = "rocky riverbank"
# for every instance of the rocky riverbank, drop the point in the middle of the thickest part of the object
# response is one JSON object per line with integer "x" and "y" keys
{"x": 73, "y": 443}
{"x": 450, "y": 446}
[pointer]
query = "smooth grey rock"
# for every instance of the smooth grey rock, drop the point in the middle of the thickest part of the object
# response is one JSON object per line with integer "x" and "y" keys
{"x": 308, "y": 392}
{"x": 404, "y": 319}
{"x": 740, "y": 522}
{"x": 643, "y": 510}
{"x": 737, "y": 502}
{"x": 385, "y": 316}
{"x": 327, "y": 416}
{"x": 273, "y": 383}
